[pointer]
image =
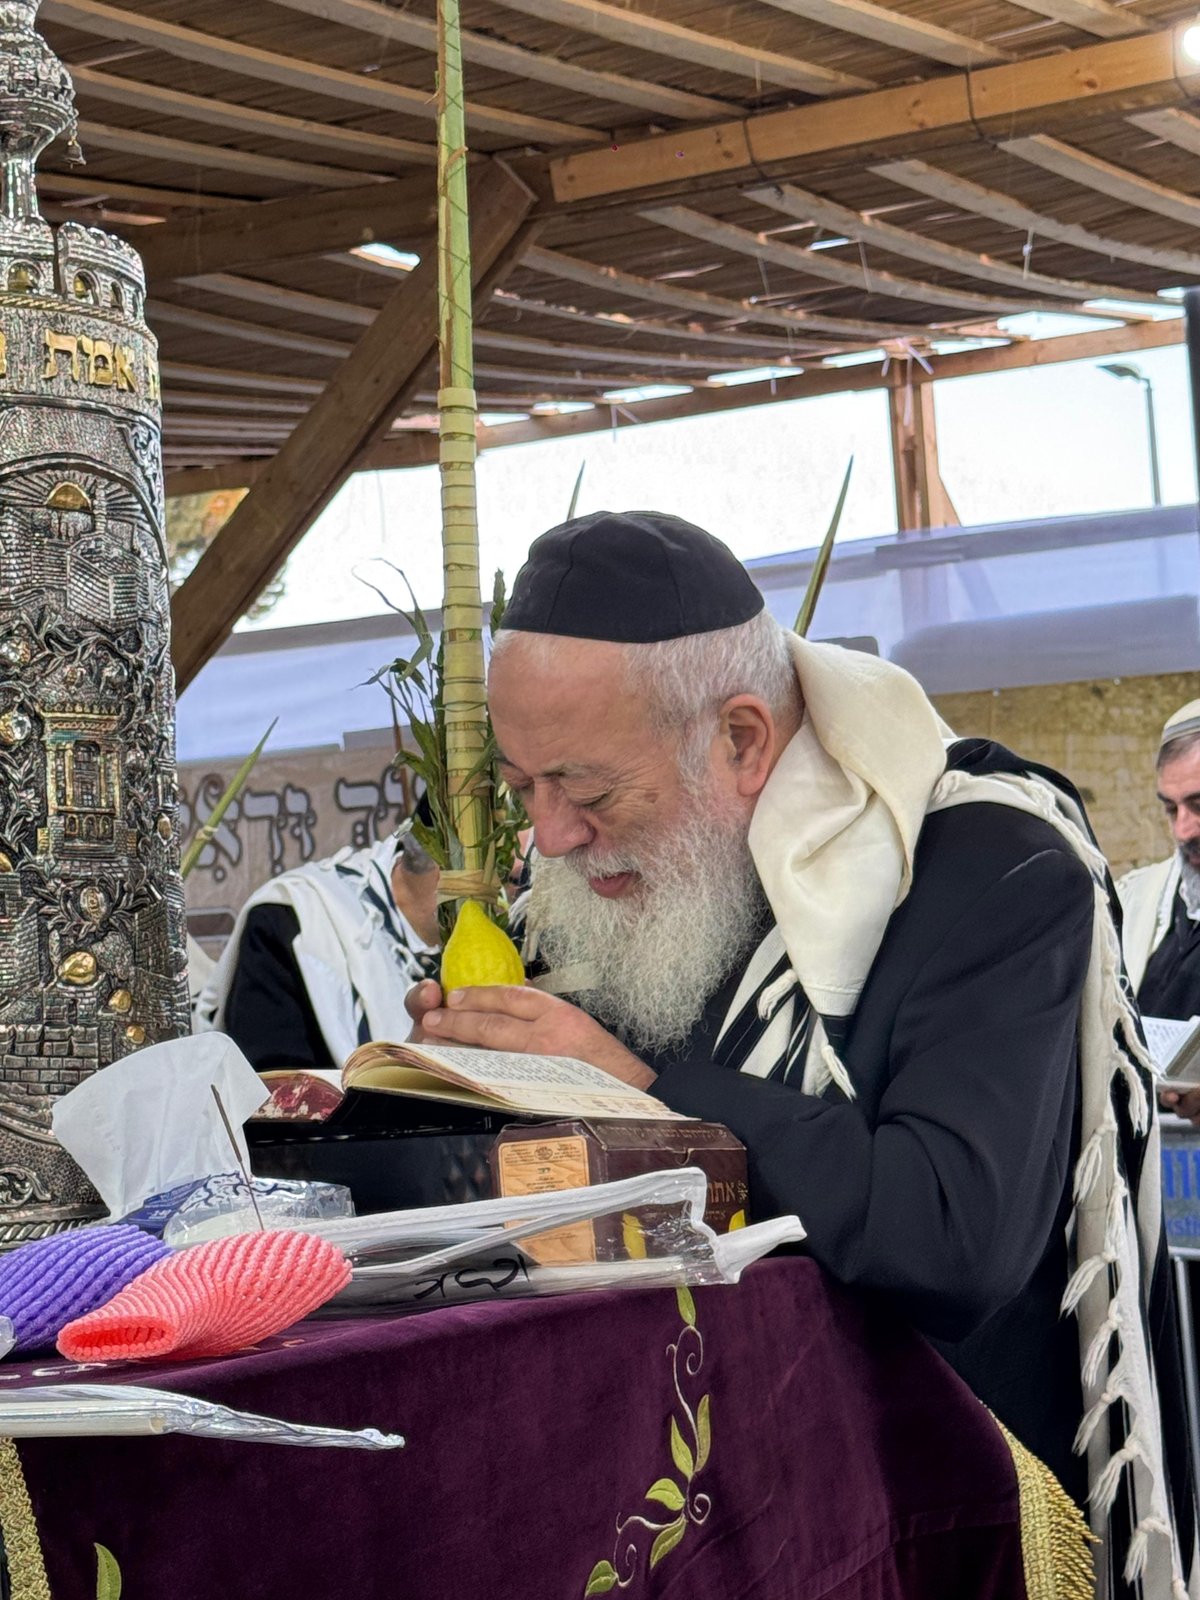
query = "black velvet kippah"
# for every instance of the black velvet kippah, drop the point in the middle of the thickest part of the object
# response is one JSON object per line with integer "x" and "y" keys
{"x": 631, "y": 577}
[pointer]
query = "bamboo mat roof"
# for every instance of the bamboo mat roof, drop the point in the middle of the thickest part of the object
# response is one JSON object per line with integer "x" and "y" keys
{"x": 722, "y": 187}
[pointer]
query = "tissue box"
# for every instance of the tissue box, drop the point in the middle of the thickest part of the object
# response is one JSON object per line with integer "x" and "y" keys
{"x": 572, "y": 1155}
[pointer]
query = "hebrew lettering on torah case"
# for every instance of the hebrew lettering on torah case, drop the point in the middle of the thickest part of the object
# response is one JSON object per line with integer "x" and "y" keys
{"x": 92, "y": 943}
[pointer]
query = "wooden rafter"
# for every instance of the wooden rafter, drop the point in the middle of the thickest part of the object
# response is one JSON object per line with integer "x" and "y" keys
{"x": 1089, "y": 16}
{"x": 144, "y": 194}
{"x": 1124, "y": 75}
{"x": 818, "y": 264}
{"x": 355, "y": 411}
{"x": 368, "y": 149}
{"x": 281, "y": 230}
{"x": 1118, "y": 183}
{"x": 919, "y": 38}
{"x": 641, "y": 31}
{"x": 807, "y": 207}
{"x": 402, "y": 27}
{"x": 211, "y": 157}
{"x": 160, "y": 311}
{"x": 653, "y": 292}
{"x": 1003, "y": 208}
{"x": 921, "y": 499}
{"x": 236, "y": 378}
{"x": 189, "y": 44}
{"x": 742, "y": 339}
{"x": 259, "y": 406}
{"x": 295, "y": 301}
{"x": 1179, "y": 128}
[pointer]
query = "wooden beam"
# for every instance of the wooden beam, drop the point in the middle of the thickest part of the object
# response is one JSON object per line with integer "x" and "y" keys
{"x": 1179, "y": 128}
{"x": 246, "y": 332}
{"x": 640, "y": 31}
{"x": 655, "y": 292}
{"x": 353, "y": 413}
{"x": 818, "y": 264}
{"x": 402, "y": 27}
{"x": 742, "y": 339}
{"x": 612, "y": 355}
{"x": 297, "y": 301}
{"x": 368, "y": 149}
{"x": 918, "y": 484}
{"x": 109, "y": 189}
{"x": 214, "y": 158}
{"x": 282, "y": 230}
{"x": 806, "y": 207}
{"x": 866, "y": 21}
{"x": 189, "y": 44}
{"x": 1118, "y": 183}
{"x": 1157, "y": 335}
{"x": 1002, "y": 208}
{"x": 994, "y": 102}
{"x": 1089, "y": 16}
{"x": 236, "y": 378}
{"x": 231, "y": 402}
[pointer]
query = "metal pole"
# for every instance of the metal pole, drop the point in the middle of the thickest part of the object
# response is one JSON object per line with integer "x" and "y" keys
{"x": 1191, "y": 308}
{"x": 1187, "y": 1338}
{"x": 1152, "y": 433}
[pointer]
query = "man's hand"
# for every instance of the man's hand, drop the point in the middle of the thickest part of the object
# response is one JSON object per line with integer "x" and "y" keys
{"x": 524, "y": 1021}
{"x": 1186, "y": 1104}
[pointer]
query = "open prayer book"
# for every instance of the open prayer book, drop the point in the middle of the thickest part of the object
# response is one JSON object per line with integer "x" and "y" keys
{"x": 1174, "y": 1049}
{"x": 555, "y": 1087}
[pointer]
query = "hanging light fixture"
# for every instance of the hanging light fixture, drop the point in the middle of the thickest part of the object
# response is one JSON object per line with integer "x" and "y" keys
{"x": 1190, "y": 40}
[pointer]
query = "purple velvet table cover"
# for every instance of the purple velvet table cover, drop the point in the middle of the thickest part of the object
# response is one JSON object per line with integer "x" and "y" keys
{"x": 792, "y": 1443}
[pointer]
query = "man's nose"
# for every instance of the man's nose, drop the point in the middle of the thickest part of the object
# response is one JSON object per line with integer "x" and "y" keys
{"x": 558, "y": 826}
{"x": 1185, "y": 826}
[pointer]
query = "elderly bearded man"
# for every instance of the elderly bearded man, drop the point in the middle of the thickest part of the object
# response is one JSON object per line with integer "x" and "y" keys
{"x": 782, "y": 897}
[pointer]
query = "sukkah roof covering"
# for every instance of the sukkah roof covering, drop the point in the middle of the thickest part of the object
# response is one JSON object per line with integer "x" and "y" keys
{"x": 756, "y": 183}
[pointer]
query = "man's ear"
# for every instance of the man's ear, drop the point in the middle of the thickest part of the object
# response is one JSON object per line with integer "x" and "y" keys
{"x": 751, "y": 740}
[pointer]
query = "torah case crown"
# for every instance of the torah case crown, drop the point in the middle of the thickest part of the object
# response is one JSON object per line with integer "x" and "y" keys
{"x": 92, "y": 940}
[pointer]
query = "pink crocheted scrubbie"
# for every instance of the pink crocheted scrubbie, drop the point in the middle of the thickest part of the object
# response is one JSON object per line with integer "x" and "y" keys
{"x": 212, "y": 1299}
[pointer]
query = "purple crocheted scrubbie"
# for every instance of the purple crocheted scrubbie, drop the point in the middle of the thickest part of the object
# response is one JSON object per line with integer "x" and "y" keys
{"x": 50, "y": 1282}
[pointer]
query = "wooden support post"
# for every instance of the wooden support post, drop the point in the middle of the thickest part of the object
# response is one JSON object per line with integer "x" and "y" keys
{"x": 352, "y": 413}
{"x": 921, "y": 499}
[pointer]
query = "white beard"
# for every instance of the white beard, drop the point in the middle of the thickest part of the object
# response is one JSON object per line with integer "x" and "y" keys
{"x": 1189, "y": 885}
{"x": 656, "y": 957}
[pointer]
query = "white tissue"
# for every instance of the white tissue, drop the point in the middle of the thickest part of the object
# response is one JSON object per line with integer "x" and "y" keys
{"x": 149, "y": 1122}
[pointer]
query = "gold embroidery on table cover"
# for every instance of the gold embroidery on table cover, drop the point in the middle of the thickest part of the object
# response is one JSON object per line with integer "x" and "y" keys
{"x": 22, "y": 1547}
{"x": 1055, "y": 1537}
{"x": 690, "y": 1447}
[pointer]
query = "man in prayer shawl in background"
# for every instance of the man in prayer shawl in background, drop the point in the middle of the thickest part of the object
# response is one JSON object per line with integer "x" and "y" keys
{"x": 770, "y": 887}
{"x": 1161, "y": 902}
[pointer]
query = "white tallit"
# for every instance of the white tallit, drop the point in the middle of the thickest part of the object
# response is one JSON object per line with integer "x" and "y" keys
{"x": 833, "y": 838}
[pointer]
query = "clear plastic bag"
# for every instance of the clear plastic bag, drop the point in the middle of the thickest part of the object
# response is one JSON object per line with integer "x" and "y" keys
{"x": 532, "y": 1245}
{"x": 106, "y": 1410}
{"x": 225, "y": 1204}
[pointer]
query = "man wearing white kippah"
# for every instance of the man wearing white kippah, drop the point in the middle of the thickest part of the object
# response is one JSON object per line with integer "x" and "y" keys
{"x": 1161, "y": 903}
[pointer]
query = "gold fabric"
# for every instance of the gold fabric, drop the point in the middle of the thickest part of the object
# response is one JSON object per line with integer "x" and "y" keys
{"x": 26, "y": 1568}
{"x": 1055, "y": 1538}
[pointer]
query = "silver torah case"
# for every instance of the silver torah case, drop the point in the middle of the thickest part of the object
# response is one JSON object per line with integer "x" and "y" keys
{"x": 92, "y": 933}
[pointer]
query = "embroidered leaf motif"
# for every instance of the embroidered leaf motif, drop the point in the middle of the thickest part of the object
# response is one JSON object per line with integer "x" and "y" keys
{"x": 602, "y": 1579}
{"x": 680, "y": 1454}
{"x": 667, "y": 1492}
{"x": 703, "y": 1433}
{"x": 687, "y": 1306}
{"x": 666, "y": 1541}
{"x": 108, "y": 1575}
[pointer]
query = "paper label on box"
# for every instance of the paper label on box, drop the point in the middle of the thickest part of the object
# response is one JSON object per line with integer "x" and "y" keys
{"x": 540, "y": 1166}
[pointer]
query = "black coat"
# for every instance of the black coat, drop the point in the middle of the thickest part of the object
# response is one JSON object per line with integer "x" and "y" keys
{"x": 945, "y": 1184}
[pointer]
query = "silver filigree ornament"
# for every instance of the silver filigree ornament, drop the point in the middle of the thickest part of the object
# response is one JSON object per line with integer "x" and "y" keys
{"x": 92, "y": 945}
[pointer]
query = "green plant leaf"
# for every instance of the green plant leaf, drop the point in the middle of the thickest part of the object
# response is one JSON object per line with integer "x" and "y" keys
{"x": 666, "y": 1541}
{"x": 703, "y": 1432}
{"x": 603, "y": 1578}
{"x": 821, "y": 566}
{"x": 108, "y": 1575}
{"x": 668, "y": 1493}
{"x": 680, "y": 1454}
{"x": 687, "y": 1306}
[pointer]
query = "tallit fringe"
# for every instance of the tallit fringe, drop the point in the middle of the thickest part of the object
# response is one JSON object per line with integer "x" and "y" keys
{"x": 775, "y": 994}
{"x": 1099, "y": 1190}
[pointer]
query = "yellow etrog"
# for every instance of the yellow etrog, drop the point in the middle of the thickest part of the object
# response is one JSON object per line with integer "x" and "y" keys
{"x": 478, "y": 952}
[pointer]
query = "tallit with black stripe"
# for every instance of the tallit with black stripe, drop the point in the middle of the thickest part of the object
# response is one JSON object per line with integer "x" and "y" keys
{"x": 833, "y": 837}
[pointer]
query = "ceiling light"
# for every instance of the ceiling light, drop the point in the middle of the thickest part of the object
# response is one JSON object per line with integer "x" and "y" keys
{"x": 1190, "y": 40}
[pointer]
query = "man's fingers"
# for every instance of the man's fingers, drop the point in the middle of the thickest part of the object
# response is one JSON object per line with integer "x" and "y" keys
{"x": 424, "y": 997}
{"x": 510, "y": 1000}
{"x": 491, "y": 1030}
